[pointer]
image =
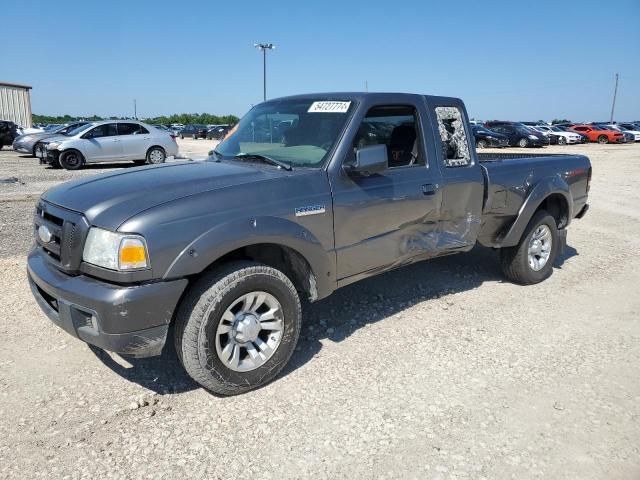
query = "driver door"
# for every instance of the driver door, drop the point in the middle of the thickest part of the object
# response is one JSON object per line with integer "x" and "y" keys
{"x": 101, "y": 144}
{"x": 386, "y": 219}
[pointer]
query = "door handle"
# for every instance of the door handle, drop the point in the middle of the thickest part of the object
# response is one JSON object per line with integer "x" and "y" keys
{"x": 429, "y": 189}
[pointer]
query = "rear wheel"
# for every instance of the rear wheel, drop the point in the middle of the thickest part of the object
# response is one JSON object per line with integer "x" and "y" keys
{"x": 482, "y": 144}
{"x": 531, "y": 261}
{"x": 36, "y": 147}
{"x": 156, "y": 155}
{"x": 71, "y": 160}
{"x": 237, "y": 327}
{"x": 602, "y": 139}
{"x": 523, "y": 142}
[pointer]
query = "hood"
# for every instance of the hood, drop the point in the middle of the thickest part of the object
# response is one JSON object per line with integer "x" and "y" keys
{"x": 54, "y": 137}
{"x": 108, "y": 200}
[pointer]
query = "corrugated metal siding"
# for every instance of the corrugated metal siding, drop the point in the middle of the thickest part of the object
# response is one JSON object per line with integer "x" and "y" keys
{"x": 15, "y": 105}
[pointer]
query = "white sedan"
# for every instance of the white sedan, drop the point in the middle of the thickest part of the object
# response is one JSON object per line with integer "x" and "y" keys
{"x": 569, "y": 137}
{"x": 108, "y": 141}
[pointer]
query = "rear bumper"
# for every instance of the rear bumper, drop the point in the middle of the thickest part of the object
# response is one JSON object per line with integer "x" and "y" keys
{"x": 132, "y": 320}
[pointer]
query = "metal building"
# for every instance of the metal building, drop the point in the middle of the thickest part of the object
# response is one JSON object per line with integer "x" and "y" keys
{"x": 15, "y": 103}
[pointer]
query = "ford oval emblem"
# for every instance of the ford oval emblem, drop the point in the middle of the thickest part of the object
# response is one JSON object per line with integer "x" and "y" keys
{"x": 44, "y": 233}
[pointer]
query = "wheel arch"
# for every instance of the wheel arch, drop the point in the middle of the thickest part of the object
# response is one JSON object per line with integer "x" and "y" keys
{"x": 552, "y": 195}
{"x": 276, "y": 242}
{"x": 156, "y": 146}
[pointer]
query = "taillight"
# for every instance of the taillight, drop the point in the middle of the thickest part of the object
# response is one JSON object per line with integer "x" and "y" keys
{"x": 589, "y": 180}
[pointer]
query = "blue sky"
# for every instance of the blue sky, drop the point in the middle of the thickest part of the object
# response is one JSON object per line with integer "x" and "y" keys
{"x": 508, "y": 59}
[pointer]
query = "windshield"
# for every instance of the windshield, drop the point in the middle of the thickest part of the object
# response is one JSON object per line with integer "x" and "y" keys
{"x": 78, "y": 130}
{"x": 482, "y": 130}
{"x": 299, "y": 132}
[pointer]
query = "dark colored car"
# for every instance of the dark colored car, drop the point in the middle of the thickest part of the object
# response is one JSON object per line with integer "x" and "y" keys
{"x": 519, "y": 135}
{"x": 218, "y": 132}
{"x": 194, "y": 131}
{"x": 221, "y": 251}
{"x": 8, "y": 133}
{"x": 487, "y": 138}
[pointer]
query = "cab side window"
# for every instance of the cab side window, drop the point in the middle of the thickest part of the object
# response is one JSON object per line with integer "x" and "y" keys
{"x": 105, "y": 130}
{"x": 128, "y": 128}
{"x": 397, "y": 128}
{"x": 453, "y": 134}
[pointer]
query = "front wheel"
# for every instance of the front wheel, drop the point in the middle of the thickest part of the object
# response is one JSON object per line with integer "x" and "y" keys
{"x": 482, "y": 144}
{"x": 523, "y": 142}
{"x": 562, "y": 141}
{"x": 71, "y": 160}
{"x": 237, "y": 327}
{"x": 602, "y": 139}
{"x": 531, "y": 261}
{"x": 156, "y": 155}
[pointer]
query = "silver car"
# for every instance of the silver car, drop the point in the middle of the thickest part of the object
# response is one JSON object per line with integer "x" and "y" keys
{"x": 108, "y": 141}
{"x": 30, "y": 143}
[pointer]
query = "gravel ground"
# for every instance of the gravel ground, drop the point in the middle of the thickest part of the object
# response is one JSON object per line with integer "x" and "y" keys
{"x": 439, "y": 370}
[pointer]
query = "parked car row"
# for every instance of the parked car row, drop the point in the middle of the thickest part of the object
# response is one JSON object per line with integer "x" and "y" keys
{"x": 497, "y": 133}
{"x": 75, "y": 145}
{"x": 210, "y": 132}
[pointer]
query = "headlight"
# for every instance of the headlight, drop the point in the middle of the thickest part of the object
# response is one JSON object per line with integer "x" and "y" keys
{"x": 52, "y": 145}
{"x": 115, "y": 251}
{"x": 533, "y": 137}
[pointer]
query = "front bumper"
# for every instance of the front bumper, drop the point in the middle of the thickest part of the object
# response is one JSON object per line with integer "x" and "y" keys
{"x": 132, "y": 320}
{"x": 22, "y": 147}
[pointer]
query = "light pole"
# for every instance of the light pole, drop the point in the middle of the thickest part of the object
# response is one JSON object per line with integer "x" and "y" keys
{"x": 264, "y": 47}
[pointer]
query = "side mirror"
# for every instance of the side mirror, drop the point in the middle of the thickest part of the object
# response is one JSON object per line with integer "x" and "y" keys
{"x": 370, "y": 159}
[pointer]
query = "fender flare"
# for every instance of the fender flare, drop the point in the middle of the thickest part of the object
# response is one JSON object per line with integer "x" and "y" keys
{"x": 225, "y": 238}
{"x": 544, "y": 189}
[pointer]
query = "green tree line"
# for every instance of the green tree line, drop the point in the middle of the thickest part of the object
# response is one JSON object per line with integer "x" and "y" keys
{"x": 184, "y": 118}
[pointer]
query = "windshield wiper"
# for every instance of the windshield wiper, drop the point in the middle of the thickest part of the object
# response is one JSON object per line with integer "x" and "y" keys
{"x": 265, "y": 159}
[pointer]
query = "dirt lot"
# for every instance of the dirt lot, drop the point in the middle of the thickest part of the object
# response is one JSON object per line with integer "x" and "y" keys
{"x": 440, "y": 370}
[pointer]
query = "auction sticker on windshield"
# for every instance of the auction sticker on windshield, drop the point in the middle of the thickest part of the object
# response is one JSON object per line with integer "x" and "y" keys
{"x": 329, "y": 107}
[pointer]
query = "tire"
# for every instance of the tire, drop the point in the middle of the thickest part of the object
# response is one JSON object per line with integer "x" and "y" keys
{"x": 35, "y": 149}
{"x": 1, "y": 145}
{"x": 562, "y": 141}
{"x": 199, "y": 328}
{"x": 71, "y": 160}
{"x": 481, "y": 144}
{"x": 516, "y": 264}
{"x": 523, "y": 143}
{"x": 602, "y": 139}
{"x": 181, "y": 137}
{"x": 156, "y": 155}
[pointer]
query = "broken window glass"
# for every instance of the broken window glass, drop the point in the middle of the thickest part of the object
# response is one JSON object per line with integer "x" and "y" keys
{"x": 455, "y": 149}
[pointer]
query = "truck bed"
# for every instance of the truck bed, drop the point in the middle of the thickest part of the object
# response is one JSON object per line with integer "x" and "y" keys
{"x": 511, "y": 177}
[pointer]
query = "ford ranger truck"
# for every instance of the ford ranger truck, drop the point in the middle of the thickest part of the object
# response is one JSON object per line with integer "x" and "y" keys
{"x": 308, "y": 194}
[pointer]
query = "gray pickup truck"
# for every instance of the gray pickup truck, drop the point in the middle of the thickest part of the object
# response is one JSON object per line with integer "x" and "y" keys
{"x": 306, "y": 195}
